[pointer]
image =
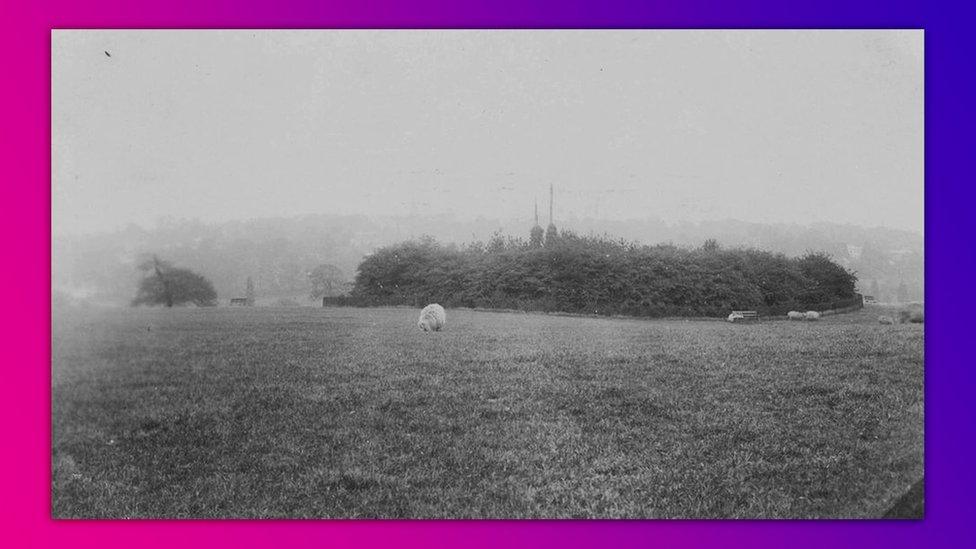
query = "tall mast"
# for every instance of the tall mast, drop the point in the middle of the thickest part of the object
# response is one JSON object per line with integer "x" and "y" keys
{"x": 550, "y": 203}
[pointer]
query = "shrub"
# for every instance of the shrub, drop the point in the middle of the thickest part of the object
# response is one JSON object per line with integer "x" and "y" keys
{"x": 602, "y": 276}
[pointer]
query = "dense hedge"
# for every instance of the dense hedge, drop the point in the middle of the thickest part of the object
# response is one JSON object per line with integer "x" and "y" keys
{"x": 597, "y": 275}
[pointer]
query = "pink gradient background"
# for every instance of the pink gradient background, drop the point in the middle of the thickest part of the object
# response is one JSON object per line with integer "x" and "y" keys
{"x": 25, "y": 506}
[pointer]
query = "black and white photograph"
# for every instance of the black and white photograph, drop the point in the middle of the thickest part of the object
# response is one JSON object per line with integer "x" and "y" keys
{"x": 487, "y": 274}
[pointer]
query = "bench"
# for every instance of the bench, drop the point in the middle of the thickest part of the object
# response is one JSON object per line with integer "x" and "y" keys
{"x": 744, "y": 316}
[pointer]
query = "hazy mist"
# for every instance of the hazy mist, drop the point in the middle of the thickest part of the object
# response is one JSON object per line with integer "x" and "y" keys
{"x": 795, "y": 127}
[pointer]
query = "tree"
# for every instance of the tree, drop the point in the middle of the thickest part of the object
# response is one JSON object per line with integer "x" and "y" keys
{"x": 599, "y": 275}
{"x": 829, "y": 280}
{"x": 536, "y": 236}
{"x": 167, "y": 285}
{"x": 326, "y": 280}
{"x": 497, "y": 242}
{"x": 552, "y": 236}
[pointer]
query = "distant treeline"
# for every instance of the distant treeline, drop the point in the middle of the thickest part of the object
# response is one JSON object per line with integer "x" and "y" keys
{"x": 278, "y": 254}
{"x": 598, "y": 275}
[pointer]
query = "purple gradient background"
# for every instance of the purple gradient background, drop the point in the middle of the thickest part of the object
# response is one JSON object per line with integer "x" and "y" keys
{"x": 25, "y": 384}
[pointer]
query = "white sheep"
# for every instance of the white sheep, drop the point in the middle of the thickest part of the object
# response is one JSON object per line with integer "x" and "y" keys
{"x": 432, "y": 318}
{"x": 886, "y": 320}
{"x": 795, "y": 315}
{"x": 812, "y": 315}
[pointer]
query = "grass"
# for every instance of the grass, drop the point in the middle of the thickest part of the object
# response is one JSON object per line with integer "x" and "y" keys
{"x": 356, "y": 413}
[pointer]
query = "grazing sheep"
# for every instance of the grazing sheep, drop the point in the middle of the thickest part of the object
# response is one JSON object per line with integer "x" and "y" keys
{"x": 795, "y": 315}
{"x": 432, "y": 318}
{"x": 886, "y": 320}
{"x": 812, "y": 315}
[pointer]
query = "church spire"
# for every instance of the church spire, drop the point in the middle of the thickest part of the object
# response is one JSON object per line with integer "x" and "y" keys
{"x": 536, "y": 235}
{"x": 550, "y": 204}
{"x": 551, "y": 233}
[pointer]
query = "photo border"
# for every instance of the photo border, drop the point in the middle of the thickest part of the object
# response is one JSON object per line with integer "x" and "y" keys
{"x": 25, "y": 510}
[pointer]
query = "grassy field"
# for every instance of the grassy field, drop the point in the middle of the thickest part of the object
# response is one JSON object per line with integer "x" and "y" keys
{"x": 356, "y": 413}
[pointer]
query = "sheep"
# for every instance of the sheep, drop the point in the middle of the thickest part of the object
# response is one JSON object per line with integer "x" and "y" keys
{"x": 795, "y": 315}
{"x": 432, "y": 318}
{"x": 886, "y": 320}
{"x": 812, "y": 315}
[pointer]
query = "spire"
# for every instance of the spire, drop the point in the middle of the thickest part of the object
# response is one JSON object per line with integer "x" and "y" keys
{"x": 536, "y": 235}
{"x": 550, "y": 203}
{"x": 551, "y": 233}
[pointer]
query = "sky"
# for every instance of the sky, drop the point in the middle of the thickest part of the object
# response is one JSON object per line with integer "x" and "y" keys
{"x": 764, "y": 126}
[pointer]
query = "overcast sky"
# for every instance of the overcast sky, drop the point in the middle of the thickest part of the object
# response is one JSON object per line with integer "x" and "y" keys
{"x": 216, "y": 125}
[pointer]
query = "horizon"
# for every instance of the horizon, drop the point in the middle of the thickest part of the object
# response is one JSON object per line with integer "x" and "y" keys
{"x": 160, "y": 222}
